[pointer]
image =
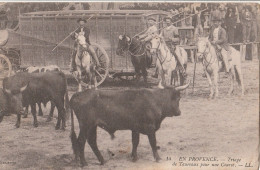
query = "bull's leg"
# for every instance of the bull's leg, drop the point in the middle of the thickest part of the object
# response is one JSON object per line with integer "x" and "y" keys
{"x": 210, "y": 85}
{"x": 18, "y": 122}
{"x": 232, "y": 79}
{"x": 92, "y": 141}
{"x": 26, "y": 112}
{"x": 51, "y": 112}
{"x": 35, "y": 122}
{"x": 152, "y": 140}
{"x": 40, "y": 109}
{"x": 135, "y": 142}
{"x": 61, "y": 115}
{"x": 82, "y": 142}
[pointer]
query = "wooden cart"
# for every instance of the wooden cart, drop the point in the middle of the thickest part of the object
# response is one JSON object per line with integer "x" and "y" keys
{"x": 39, "y": 33}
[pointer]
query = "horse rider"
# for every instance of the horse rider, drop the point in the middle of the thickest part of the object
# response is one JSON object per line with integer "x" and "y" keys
{"x": 171, "y": 37}
{"x": 147, "y": 36}
{"x": 82, "y": 30}
{"x": 218, "y": 39}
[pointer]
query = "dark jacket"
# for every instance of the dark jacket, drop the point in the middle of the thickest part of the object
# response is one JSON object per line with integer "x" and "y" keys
{"x": 87, "y": 32}
{"x": 222, "y": 38}
{"x": 230, "y": 21}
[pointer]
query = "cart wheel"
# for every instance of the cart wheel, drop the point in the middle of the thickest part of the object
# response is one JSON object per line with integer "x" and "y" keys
{"x": 5, "y": 66}
{"x": 101, "y": 72}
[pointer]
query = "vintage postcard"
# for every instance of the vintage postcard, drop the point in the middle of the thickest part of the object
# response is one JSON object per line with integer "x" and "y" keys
{"x": 129, "y": 85}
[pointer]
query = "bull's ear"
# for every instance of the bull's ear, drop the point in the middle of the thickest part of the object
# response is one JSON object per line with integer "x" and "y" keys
{"x": 23, "y": 88}
{"x": 127, "y": 38}
{"x": 7, "y": 91}
{"x": 120, "y": 37}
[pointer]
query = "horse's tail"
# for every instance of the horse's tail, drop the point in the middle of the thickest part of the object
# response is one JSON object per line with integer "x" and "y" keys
{"x": 237, "y": 76}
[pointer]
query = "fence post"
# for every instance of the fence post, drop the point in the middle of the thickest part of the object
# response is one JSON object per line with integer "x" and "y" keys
{"x": 243, "y": 51}
{"x": 254, "y": 51}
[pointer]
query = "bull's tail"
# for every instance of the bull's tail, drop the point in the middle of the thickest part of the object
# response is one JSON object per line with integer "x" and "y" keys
{"x": 73, "y": 137}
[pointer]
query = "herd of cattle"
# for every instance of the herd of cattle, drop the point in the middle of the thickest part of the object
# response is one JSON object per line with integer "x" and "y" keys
{"x": 138, "y": 110}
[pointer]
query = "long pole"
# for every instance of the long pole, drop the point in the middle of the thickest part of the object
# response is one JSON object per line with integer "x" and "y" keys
{"x": 68, "y": 35}
{"x": 194, "y": 71}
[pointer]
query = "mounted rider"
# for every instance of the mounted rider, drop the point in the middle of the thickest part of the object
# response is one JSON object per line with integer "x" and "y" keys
{"x": 82, "y": 30}
{"x": 171, "y": 37}
{"x": 147, "y": 36}
{"x": 218, "y": 39}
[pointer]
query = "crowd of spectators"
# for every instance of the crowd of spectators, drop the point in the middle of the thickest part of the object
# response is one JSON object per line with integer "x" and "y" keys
{"x": 236, "y": 19}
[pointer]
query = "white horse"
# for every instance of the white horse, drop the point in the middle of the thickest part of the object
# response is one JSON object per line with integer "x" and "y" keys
{"x": 83, "y": 63}
{"x": 212, "y": 65}
{"x": 166, "y": 62}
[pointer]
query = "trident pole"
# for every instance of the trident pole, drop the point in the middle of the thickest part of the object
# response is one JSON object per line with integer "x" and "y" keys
{"x": 69, "y": 35}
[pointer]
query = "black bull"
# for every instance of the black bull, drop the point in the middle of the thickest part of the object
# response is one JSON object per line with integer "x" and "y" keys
{"x": 25, "y": 89}
{"x": 138, "y": 110}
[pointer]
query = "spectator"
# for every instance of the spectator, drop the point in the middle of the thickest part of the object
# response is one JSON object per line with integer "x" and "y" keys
{"x": 230, "y": 23}
{"x": 215, "y": 13}
{"x": 198, "y": 31}
{"x": 246, "y": 23}
{"x": 258, "y": 24}
{"x": 222, "y": 12}
{"x": 254, "y": 24}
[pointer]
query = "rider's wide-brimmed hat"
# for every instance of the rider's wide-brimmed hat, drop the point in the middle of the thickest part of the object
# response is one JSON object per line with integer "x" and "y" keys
{"x": 81, "y": 19}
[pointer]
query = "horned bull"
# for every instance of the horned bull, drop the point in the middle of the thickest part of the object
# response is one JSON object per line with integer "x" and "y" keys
{"x": 138, "y": 110}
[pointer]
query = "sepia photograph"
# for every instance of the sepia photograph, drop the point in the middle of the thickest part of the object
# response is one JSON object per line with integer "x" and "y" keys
{"x": 159, "y": 85}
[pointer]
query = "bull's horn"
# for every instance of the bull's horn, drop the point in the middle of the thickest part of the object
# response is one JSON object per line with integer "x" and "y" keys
{"x": 180, "y": 88}
{"x": 127, "y": 38}
{"x": 23, "y": 88}
{"x": 7, "y": 91}
{"x": 120, "y": 37}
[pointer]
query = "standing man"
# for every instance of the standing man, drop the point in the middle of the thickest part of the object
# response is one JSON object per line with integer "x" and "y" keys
{"x": 82, "y": 30}
{"x": 171, "y": 37}
{"x": 218, "y": 39}
{"x": 231, "y": 22}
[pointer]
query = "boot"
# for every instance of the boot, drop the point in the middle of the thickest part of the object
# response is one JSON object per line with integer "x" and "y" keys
{"x": 73, "y": 63}
{"x": 94, "y": 55}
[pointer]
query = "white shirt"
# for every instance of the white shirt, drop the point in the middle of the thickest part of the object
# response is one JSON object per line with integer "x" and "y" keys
{"x": 215, "y": 34}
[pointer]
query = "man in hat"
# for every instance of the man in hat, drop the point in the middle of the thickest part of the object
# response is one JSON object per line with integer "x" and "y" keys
{"x": 218, "y": 39}
{"x": 152, "y": 30}
{"x": 148, "y": 35}
{"x": 171, "y": 37}
{"x": 83, "y": 30}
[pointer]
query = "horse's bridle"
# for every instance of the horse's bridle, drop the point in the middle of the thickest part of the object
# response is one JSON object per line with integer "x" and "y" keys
{"x": 157, "y": 49}
{"x": 204, "y": 54}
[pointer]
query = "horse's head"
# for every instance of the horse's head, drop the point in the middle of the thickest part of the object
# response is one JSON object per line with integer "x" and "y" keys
{"x": 202, "y": 45}
{"x": 123, "y": 44}
{"x": 156, "y": 42}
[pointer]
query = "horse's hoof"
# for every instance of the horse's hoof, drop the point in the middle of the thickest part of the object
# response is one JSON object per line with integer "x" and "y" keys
{"x": 17, "y": 125}
{"x": 25, "y": 116}
{"x": 57, "y": 127}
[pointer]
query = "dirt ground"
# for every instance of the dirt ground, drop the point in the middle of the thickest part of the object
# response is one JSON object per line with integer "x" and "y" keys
{"x": 227, "y": 127}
